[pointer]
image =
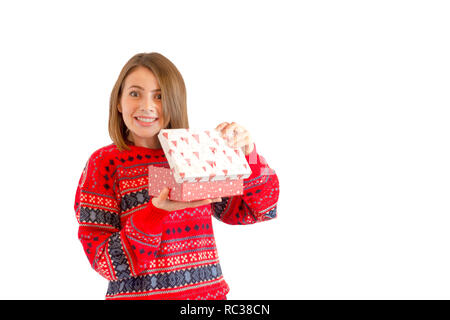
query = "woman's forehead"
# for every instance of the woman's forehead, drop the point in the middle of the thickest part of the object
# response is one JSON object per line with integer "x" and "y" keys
{"x": 141, "y": 77}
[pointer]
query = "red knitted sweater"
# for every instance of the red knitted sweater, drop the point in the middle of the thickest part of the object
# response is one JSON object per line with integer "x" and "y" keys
{"x": 150, "y": 253}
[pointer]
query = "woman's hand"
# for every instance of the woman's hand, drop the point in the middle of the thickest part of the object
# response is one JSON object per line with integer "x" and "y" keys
{"x": 162, "y": 202}
{"x": 236, "y": 136}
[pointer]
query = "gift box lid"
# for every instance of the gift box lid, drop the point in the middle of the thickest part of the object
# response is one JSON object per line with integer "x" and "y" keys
{"x": 196, "y": 155}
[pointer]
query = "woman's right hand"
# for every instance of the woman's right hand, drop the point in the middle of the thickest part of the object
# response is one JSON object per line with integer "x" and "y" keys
{"x": 162, "y": 202}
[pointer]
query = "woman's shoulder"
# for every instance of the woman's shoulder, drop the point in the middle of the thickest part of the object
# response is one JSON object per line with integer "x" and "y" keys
{"x": 110, "y": 156}
{"x": 108, "y": 150}
{"x": 101, "y": 166}
{"x": 104, "y": 152}
{"x": 105, "y": 156}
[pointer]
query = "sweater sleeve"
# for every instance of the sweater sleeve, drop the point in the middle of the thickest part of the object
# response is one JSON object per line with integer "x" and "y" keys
{"x": 114, "y": 250}
{"x": 259, "y": 200}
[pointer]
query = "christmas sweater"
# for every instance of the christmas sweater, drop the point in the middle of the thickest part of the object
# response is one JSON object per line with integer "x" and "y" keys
{"x": 149, "y": 253}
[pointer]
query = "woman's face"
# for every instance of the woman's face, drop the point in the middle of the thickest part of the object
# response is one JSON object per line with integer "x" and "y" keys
{"x": 140, "y": 103}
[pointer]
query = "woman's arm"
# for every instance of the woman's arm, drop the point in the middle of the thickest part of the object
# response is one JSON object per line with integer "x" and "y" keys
{"x": 114, "y": 250}
{"x": 260, "y": 197}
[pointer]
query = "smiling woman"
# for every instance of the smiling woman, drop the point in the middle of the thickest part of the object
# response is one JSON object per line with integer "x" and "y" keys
{"x": 151, "y": 247}
{"x": 140, "y": 106}
{"x": 148, "y": 95}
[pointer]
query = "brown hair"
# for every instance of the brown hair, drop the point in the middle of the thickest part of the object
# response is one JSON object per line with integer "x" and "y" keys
{"x": 173, "y": 92}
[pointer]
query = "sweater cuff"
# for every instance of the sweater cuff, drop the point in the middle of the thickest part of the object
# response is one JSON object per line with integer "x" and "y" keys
{"x": 253, "y": 162}
{"x": 251, "y": 157}
{"x": 150, "y": 219}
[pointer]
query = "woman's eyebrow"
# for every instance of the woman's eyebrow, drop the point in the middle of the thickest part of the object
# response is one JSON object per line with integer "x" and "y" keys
{"x": 139, "y": 87}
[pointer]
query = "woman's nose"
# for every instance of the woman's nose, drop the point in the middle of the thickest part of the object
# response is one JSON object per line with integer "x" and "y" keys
{"x": 150, "y": 106}
{"x": 148, "y": 103}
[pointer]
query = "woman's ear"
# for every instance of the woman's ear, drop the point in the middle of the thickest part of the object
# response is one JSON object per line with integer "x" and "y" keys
{"x": 119, "y": 107}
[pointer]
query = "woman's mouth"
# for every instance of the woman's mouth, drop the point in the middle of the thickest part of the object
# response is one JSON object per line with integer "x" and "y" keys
{"x": 145, "y": 122}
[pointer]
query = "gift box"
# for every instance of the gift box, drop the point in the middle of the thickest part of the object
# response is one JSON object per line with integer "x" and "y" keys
{"x": 202, "y": 166}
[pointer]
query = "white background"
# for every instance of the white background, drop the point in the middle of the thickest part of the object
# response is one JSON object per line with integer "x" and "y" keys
{"x": 347, "y": 100}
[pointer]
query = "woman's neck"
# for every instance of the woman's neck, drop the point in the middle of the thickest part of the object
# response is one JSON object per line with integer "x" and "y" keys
{"x": 145, "y": 143}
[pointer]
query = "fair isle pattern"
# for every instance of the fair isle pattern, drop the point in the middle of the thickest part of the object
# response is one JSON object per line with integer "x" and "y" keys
{"x": 98, "y": 209}
{"x": 201, "y": 291}
{"x": 147, "y": 254}
{"x": 182, "y": 279}
{"x": 258, "y": 193}
{"x": 218, "y": 295}
{"x": 187, "y": 244}
{"x": 149, "y": 240}
{"x": 181, "y": 260}
{"x": 118, "y": 257}
{"x": 189, "y": 213}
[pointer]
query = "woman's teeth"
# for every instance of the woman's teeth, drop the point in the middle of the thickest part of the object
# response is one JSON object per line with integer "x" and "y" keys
{"x": 145, "y": 119}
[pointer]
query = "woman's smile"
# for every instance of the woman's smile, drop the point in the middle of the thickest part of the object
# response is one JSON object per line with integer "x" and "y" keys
{"x": 145, "y": 121}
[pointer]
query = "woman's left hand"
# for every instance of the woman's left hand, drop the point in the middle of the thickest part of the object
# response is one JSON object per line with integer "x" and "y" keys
{"x": 236, "y": 136}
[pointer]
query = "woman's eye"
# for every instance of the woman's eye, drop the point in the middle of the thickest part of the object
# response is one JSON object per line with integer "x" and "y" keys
{"x": 158, "y": 96}
{"x": 133, "y": 94}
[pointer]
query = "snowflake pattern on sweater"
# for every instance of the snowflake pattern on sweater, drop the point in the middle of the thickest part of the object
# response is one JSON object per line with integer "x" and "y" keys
{"x": 149, "y": 253}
